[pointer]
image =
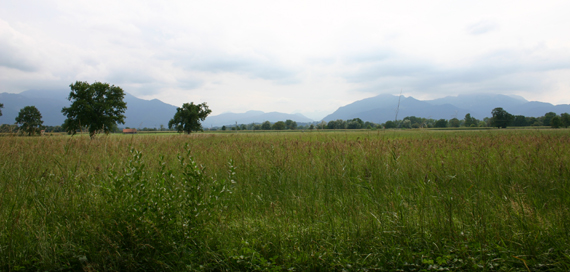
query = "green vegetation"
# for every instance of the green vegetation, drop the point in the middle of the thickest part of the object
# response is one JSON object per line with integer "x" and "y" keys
{"x": 30, "y": 120}
{"x": 352, "y": 200}
{"x": 97, "y": 107}
{"x": 187, "y": 118}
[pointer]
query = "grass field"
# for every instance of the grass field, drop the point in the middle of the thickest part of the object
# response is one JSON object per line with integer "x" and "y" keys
{"x": 495, "y": 200}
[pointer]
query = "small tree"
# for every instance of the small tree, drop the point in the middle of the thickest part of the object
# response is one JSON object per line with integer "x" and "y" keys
{"x": 290, "y": 124}
{"x": 30, "y": 120}
{"x": 97, "y": 107}
{"x": 280, "y": 125}
{"x": 441, "y": 123}
{"x": 454, "y": 122}
{"x": 1, "y": 106}
{"x": 266, "y": 125}
{"x": 501, "y": 118}
{"x": 390, "y": 124}
{"x": 468, "y": 120}
{"x": 188, "y": 117}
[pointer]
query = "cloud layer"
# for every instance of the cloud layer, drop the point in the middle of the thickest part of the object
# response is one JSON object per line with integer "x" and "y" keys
{"x": 295, "y": 56}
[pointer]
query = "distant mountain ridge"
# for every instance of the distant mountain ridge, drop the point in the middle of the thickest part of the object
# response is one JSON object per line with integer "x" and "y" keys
{"x": 382, "y": 108}
{"x": 140, "y": 113}
{"x": 252, "y": 117}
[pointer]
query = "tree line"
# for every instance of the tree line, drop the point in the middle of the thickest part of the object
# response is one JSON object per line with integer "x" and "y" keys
{"x": 500, "y": 119}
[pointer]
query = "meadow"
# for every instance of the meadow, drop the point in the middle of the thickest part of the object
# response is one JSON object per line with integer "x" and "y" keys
{"x": 384, "y": 200}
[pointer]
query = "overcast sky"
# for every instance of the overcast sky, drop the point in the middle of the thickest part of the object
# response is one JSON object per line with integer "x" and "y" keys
{"x": 289, "y": 56}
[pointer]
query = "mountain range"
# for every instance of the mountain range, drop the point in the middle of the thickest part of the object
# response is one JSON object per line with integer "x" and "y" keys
{"x": 142, "y": 113}
{"x": 382, "y": 108}
{"x": 252, "y": 116}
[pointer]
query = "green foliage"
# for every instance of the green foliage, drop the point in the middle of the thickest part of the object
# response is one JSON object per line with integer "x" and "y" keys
{"x": 1, "y": 106}
{"x": 468, "y": 120}
{"x": 355, "y": 123}
{"x": 390, "y": 124}
{"x": 290, "y": 124}
{"x": 187, "y": 118}
{"x": 565, "y": 118}
{"x": 266, "y": 125}
{"x": 441, "y": 123}
{"x": 520, "y": 121}
{"x": 501, "y": 118}
{"x": 30, "y": 120}
{"x": 337, "y": 124}
{"x": 454, "y": 122}
{"x": 548, "y": 117}
{"x": 97, "y": 107}
{"x": 280, "y": 125}
{"x": 555, "y": 122}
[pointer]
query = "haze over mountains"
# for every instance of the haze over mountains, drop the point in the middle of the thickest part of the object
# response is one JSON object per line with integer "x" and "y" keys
{"x": 379, "y": 109}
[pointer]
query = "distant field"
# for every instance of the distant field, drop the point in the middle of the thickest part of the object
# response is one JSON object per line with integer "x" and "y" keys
{"x": 341, "y": 200}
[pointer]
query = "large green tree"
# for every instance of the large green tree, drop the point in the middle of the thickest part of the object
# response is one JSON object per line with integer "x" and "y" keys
{"x": 30, "y": 120}
{"x": 1, "y": 106}
{"x": 188, "y": 117}
{"x": 501, "y": 118}
{"x": 97, "y": 107}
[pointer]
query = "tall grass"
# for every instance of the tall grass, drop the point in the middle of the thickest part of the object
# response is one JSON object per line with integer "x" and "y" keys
{"x": 384, "y": 200}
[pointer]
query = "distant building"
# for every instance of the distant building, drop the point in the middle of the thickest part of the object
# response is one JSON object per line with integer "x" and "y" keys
{"x": 129, "y": 131}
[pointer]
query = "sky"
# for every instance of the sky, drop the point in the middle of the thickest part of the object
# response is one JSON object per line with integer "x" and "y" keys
{"x": 308, "y": 57}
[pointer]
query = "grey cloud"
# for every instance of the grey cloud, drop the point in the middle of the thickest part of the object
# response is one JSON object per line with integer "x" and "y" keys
{"x": 502, "y": 70}
{"x": 189, "y": 84}
{"x": 383, "y": 65}
{"x": 14, "y": 56}
{"x": 130, "y": 76}
{"x": 255, "y": 68}
{"x": 481, "y": 27}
